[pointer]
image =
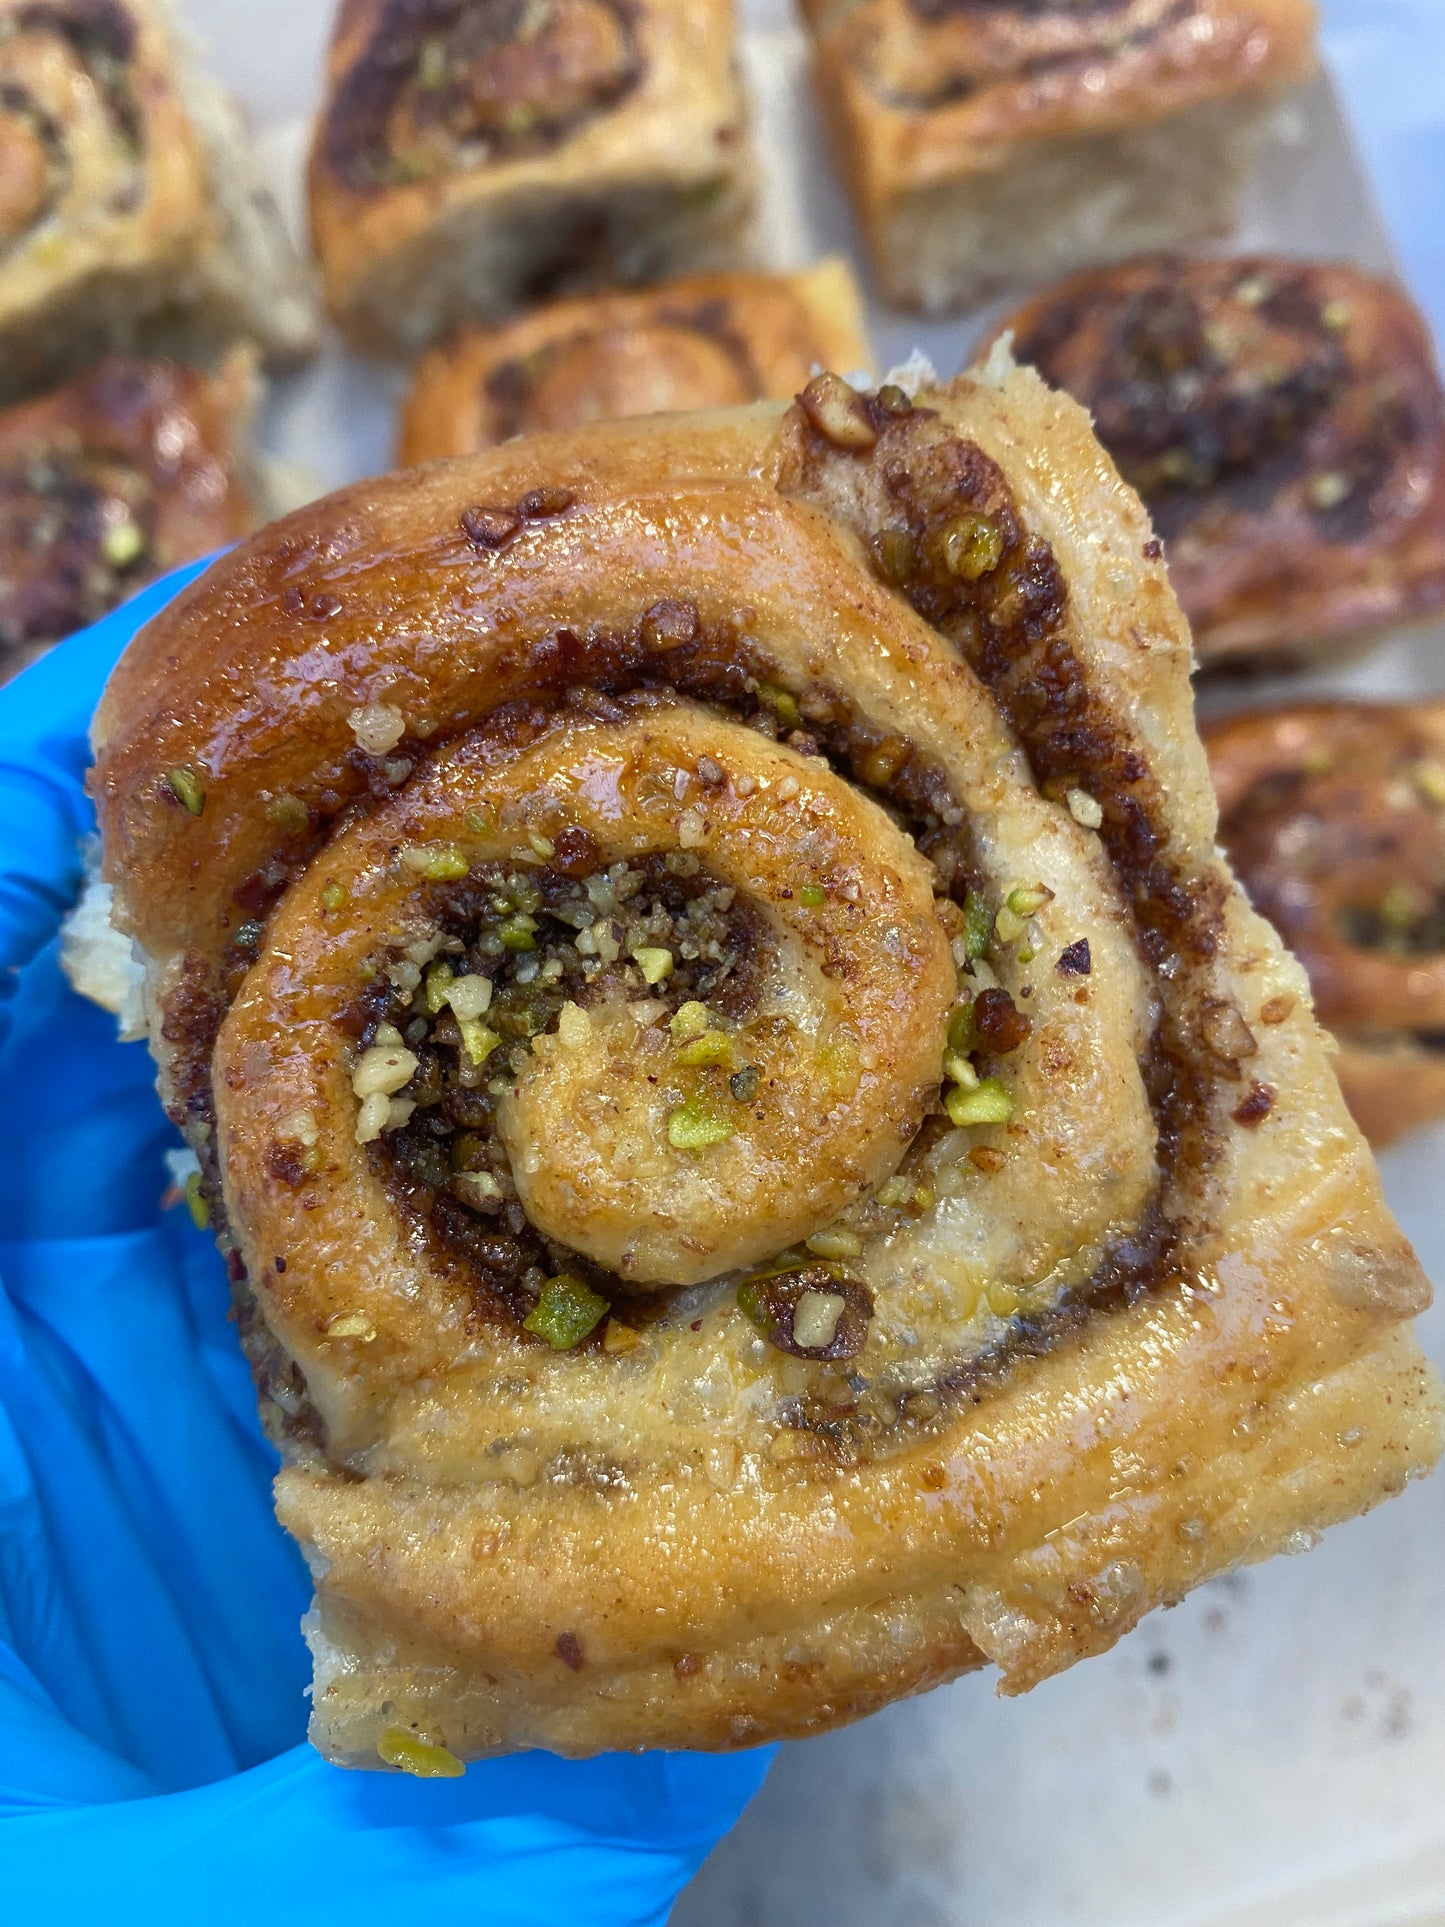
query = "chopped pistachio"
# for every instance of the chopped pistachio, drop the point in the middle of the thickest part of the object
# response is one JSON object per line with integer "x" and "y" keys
{"x": 476, "y": 1188}
{"x": 961, "y": 1070}
{"x": 690, "y": 1020}
{"x": 288, "y": 812}
{"x": 437, "y": 862}
{"x": 989, "y": 1103}
{"x": 1399, "y": 907}
{"x": 713, "y": 1047}
{"x": 372, "y": 1118}
{"x": 335, "y": 896}
{"x": 815, "y": 1319}
{"x": 1430, "y": 781}
{"x": 574, "y": 1026}
{"x": 753, "y": 1305}
{"x": 195, "y": 1202}
{"x": 188, "y": 789}
{"x": 977, "y": 924}
{"x": 566, "y": 1312}
{"x": 654, "y": 963}
{"x": 542, "y": 846}
{"x": 418, "y": 1757}
{"x": 972, "y": 546}
{"x": 1026, "y": 953}
{"x": 1024, "y": 899}
{"x": 431, "y": 64}
{"x": 477, "y": 1040}
{"x": 469, "y": 996}
{"x": 960, "y": 1027}
{"x": 1085, "y": 809}
{"x": 619, "y": 1339}
{"x": 838, "y": 412}
{"x": 782, "y": 702}
{"x": 895, "y": 1191}
{"x": 835, "y": 1241}
{"x": 812, "y": 896}
{"x": 518, "y": 932}
{"x": 480, "y": 821}
{"x": 351, "y": 1324}
{"x": 383, "y": 1070}
{"x": 1327, "y": 490}
{"x": 1008, "y": 925}
{"x": 1335, "y": 315}
{"x": 438, "y": 982}
{"x": 897, "y": 555}
{"x": 122, "y": 543}
{"x": 1253, "y": 291}
{"x": 696, "y": 1124}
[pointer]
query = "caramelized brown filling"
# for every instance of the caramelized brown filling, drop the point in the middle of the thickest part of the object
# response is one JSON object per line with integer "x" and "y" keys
{"x": 1229, "y": 385}
{"x": 1345, "y": 853}
{"x": 541, "y": 937}
{"x": 75, "y": 535}
{"x": 453, "y": 82}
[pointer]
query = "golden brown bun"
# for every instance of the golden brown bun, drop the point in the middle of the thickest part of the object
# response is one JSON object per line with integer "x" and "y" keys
{"x": 1333, "y": 815}
{"x": 855, "y": 681}
{"x": 986, "y": 145}
{"x": 466, "y": 164}
{"x": 131, "y": 211}
{"x": 706, "y": 342}
{"x": 125, "y": 472}
{"x": 1285, "y": 425}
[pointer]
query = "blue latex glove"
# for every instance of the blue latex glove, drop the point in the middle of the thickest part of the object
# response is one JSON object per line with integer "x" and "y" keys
{"x": 151, "y": 1667}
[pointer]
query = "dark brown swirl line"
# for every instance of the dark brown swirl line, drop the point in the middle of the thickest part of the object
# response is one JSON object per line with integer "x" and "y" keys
{"x": 1114, "y": 42}
{"x": 475, "y": 79}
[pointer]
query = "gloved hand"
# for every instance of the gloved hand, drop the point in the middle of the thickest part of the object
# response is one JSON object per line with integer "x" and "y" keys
{"x": 152, "y": 1673}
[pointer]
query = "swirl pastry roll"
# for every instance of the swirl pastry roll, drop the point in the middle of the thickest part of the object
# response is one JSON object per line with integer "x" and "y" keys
{"x": 706, "y": 342}
{"x": 125, "y": 472}
{"x": 1333, "y": 815}
{"x": 131, "y": 211}
{"x": 764, "y": 1158}
{"x": 1285, "y": 424}
{"x": 991, "y": 143}
{"x": 475, "y": 154}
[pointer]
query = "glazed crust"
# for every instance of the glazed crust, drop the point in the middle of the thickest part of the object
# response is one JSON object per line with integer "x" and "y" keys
{"x": 607, "y": 144}
{"x": 922, "y": 96}
{"x": 1334, "y": 817}
{"x": 1144, "y": 1325}
{"x": 705, "y": 342}
{"x": 123, "y": 473}
{"x": 1286, "y": 426}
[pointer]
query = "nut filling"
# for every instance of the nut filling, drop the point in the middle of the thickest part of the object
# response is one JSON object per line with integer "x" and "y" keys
{"x": 514, "y": 949}
{"x": 515, "y": 952}
{"x": 469, "y": 83}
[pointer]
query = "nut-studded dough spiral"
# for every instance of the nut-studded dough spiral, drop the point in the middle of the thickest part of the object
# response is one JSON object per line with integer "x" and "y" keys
{"x": 765, "y": 1160}
{"x": 1334, "y": 816}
